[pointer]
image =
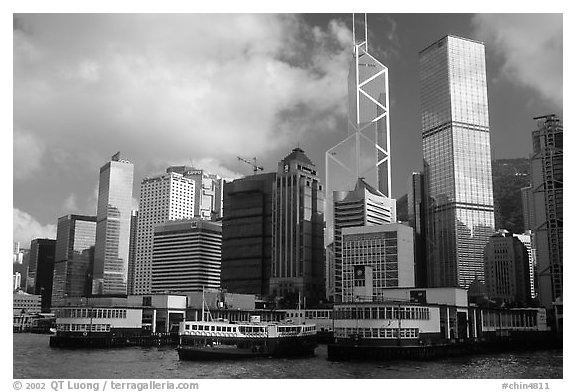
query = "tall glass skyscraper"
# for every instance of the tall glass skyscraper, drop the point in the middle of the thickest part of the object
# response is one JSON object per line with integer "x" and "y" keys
{"x": 113, "y": 216}
{"x": 457, "y": 166}
{"x": 365, "y": 152}
{"x": 75, "y": 238}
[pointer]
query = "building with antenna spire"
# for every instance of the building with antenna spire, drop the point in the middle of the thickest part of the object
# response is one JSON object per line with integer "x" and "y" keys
{"x": 363, "y": 157}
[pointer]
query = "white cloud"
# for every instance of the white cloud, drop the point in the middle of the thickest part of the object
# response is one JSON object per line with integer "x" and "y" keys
{"x": 531, "y": 48}
{"x": 28, "y": 152}
{"x": 174, "y": 86}
{"x": 26, "y": 228}
{"x": 70, "y": 204}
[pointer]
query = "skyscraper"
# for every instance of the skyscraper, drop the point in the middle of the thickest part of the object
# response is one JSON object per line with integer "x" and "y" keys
{"x": 113, "y": 227}
{"x": 41, "y": 270}
{"x": 298, "y": 230}
{"x": 132, "y": 252}
{"x": 363, "y": 206}
{"x": 247, "y": 234}
{"x": 74, "y": 258}
{"x": 186, "y": 256}
{"x": 162, "y": 198}
{"x": 365, "y": 152}
{"x": 457, "y": 168}
{"x": 546, "y": 175}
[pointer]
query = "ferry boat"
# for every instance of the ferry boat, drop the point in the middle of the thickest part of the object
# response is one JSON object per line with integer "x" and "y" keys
{"x": 222, "y": 339}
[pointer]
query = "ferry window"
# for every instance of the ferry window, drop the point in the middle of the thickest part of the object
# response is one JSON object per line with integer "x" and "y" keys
{"x": 366, "y": 313}
{"x": 374, "y": 315}
{"x": 187, "y": 327}
{"x": 194, "y": 327}
{"x": 219, "y": 329}
{"x": 212, "y": 328}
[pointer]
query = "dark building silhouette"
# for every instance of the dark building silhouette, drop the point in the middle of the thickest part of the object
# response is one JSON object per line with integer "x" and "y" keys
{"x": 416, "y": 220}
{"x": 507, "y": 269}
{"x": 74, "y": 257}
{"x": 41, "y": 270}
{"x": 132, "y": 250}
{"x": 298, "y": 231}
{"x": 247, "y": 235}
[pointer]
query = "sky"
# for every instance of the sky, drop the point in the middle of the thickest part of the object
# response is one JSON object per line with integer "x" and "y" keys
{"x": 203, "y": 89}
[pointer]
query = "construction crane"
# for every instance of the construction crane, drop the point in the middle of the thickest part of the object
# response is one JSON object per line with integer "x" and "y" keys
{"x": 252, "y": 163}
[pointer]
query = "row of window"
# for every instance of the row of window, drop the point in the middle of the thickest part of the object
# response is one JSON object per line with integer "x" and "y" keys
{"x": 382, "y": 333}
{"x": 83, "y": 327}
{"x": 213, "y": 328}
{"x": 91, "y": 313}
{"x": 382, "y": 312}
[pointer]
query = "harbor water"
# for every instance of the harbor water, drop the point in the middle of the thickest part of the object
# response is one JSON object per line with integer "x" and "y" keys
{"x": 33, "y": 358}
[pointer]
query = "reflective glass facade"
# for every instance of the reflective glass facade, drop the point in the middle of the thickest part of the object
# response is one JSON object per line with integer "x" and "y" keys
{"x": 75, "y": 239}
{"x": 365, "y": 152}
{"x": 113, "y": 227}
{"x": 457, "y": 168}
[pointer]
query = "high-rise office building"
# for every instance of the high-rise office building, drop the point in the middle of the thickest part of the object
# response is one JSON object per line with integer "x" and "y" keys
{"x": 74, "y": 257}
{"x": 132, "y": 252}
{"x": 546, "y": 175}
{"x": 186, "y": 256}
{"x": 363, "y": 206}
{"x": 208, "y": 191}
{"x": 247, "y": 234}
{"x": 507, "y": 269}
{"x": 375, "y": 258}
{"x": 298, "y": 231}
{"x": 365, "y": 152}
{"x": 162, "y": 198}
{"x": 527, "y": 240}
{"x": 110, "y": 274}
{"x": 41, "y": 270}
{"x": 416, "y": 220}
{"x": 457, "y": 167}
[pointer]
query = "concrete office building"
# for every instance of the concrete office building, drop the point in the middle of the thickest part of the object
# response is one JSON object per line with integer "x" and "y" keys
{"x": 546, "y": 180}
{"x": 247, "y": 234}
{"x": 375, "y": 258}
{"x": 186, "y": 256}
{"x": 363, "y": 206}
{"x": 507, "y": 269}
{"x": 74, "y": 257}
{"x": 163, "y": 198}
{"x": 41, "y": 270}
{"x": 208, "y": 191}
{"x": 298, "y": 231}
{"x": 457, "y": 166}
{"x": 110, "y": 275}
